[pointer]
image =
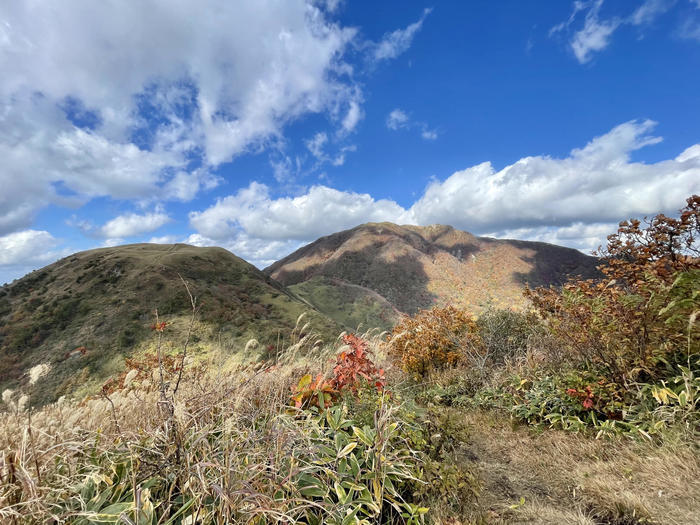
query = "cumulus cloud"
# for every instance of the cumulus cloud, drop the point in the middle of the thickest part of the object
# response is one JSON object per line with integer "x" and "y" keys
{"x": 596, "y": 33}
{"x": 575, "y": 201}
{"x": 165, "y": 239}
{"x": 260, "y": 252}
{"x": 48, "y": 160}
{"x": 596, "y": 183}
{"x": 133, "y": 224}
{"x": 319, "y": 211}
{"x": 583, "y": 237}
{"x": 23, "y": 251}
{"x": 395, "y": 43}
{"x": 155, "y": 85}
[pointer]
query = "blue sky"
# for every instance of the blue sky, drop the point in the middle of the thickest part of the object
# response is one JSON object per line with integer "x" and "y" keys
{"x": 261, "y": 125}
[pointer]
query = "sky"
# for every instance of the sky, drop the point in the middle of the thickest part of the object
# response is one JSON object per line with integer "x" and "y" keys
{"x": 261, "y": 125}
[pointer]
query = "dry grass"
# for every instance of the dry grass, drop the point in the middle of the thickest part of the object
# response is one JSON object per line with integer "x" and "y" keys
{"x": 226, "y": 435}
{"x": 570, "y": 478}
{"x": 225, "y": 443}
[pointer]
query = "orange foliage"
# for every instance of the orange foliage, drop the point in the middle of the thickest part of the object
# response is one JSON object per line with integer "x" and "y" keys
{"x": 665, "y": 247}
{"x": 159, "y": 327}
{"x": 433, "y": 339}
{"x": 354, "y": 368}
{"x": 355, "y": 365}
{"x": 144, "y": 367}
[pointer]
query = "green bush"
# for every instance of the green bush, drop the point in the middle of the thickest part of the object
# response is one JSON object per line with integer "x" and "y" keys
{"x": 506, "y": 333}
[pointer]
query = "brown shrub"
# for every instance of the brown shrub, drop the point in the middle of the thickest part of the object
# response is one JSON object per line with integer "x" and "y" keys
{"x": 641, "y": 313}
{"x": 433, "y": 340}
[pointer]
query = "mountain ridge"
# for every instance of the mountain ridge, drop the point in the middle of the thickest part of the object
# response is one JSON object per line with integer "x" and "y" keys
{"x": 416, "y": 267}
{"x": 86, "y": 312}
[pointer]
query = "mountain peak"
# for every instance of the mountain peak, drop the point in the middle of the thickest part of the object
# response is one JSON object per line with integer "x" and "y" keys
{"x": 416, "y": 267}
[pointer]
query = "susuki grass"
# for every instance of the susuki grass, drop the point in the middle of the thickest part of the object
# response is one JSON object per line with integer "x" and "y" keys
{"x": 161, "y": 444}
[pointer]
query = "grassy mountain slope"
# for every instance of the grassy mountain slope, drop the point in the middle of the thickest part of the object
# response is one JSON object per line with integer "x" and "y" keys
{"x": 415, "y": 267}
{"x": 84, "y": 313}
{"x": 348, "y": 304}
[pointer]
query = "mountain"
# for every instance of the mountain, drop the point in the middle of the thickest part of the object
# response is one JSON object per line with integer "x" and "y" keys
{"x": 83, "y": 314}
{"x": 416, "y": 267}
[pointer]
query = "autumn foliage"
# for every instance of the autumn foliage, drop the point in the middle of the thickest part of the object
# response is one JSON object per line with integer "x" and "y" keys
{"x": 354, "y": 368}
{"x": 642, "y": 314}
{"x": 433, "y": 340}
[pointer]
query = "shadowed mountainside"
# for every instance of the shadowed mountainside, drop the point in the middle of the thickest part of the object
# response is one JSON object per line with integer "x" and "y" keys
{"x": 416, "y": 267}
{"x": 86, "y": 312}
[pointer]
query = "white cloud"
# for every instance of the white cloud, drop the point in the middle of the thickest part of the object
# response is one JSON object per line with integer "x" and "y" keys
{"x": 315, "y": 145}
{"x": 132, "y": 224}
{"x": 184, "y": 186}
{"x": 339, "y": 159}
{"x": 219, "y": 79}
{"x": 319, "y": 211}
{"x": 116, "y": 241}
{"x": 23, "y": 251}
{"x": 352, "y": 117}
{"x": 47, "y": 160}
{"x": 583, "y": 237}
{"x": 649, "y": 11}
{"x": 594, "y": 36}
{"x": 597, "y": 183}
{"x": 575, "y": 201}
{"x": 25, "y": 247}
{"x": 429, "y": 134}
{"x": 579, "y": 5}
{"x": 329, "y": 5}
{"x": 165, "y": 239}
{"x": 260, "y": 252}
{"x": 395, "y": 43}
{"x": 397, "y": 119}
{"x": 690, "y": 27}
{"x": 596, "y": 33}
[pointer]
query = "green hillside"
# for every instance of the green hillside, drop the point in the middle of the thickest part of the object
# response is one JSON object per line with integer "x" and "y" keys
{"x": 348, "y": 304}
{"x": 85, "y": 313}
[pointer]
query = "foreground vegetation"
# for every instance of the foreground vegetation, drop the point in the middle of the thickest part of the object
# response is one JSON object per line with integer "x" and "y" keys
{"x": 582, "y": 410}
